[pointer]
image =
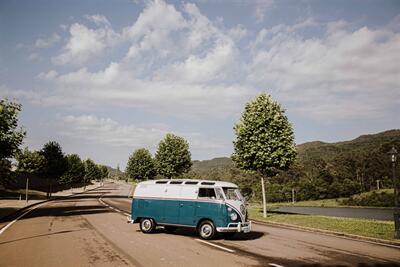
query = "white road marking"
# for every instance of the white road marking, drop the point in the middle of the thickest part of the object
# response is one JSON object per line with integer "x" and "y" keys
{"x": 275, "y": 265}
{"x": 19, "y": 217}
{"x": 214, "y": 245}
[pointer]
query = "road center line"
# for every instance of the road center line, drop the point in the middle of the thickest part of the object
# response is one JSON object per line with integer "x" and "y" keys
{"x": 214, "y": 245}
{"x": 275, "y": 265}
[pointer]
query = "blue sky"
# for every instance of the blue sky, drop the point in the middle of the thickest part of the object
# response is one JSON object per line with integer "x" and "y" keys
{"x": 104, "y": 78}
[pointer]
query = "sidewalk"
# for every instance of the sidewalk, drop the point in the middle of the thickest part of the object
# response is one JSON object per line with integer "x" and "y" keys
{"x": 9, "y": 206}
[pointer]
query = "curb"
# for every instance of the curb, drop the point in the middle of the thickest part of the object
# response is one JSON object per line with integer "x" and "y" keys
{"x": 14, "y": 213}
{"x": 395, "y": 244}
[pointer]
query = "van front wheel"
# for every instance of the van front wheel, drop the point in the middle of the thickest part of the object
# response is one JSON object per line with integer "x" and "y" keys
{"x": 147, "y": 225}
{"x": 206, "y": 230}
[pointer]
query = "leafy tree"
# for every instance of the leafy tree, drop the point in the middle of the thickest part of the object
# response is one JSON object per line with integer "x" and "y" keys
{"x": 75, "y": 171}
{"x": 264, "y": 139}
{"x": 103, "y": 171}
{"x": 30, "y": 162}
{"x": 92, "y": 172}
{"x": 140, "y": 165}
{"x": 173, "y": 156}
{"x": 55, "y": 160}
{"x": 55, "y": 163}
{"x": 10, "y": 137}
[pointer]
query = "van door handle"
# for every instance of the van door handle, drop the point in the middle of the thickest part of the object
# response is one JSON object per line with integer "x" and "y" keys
{"x": 181, "y": 205}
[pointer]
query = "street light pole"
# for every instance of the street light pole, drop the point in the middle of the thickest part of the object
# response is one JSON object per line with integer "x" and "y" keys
{"x": 396, "y": 214}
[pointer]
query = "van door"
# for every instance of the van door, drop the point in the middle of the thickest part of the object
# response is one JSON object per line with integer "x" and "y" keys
{"x": 171, "y": 204}
{"x": 188, "y": 205}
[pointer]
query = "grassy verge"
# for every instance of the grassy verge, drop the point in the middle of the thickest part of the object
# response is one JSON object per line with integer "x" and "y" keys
{"x": 367, "y": 228}
{"x": 334, "y": 202}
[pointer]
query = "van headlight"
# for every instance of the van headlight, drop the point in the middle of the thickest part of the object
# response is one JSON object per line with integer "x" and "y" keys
{"x": 234, "y": 216}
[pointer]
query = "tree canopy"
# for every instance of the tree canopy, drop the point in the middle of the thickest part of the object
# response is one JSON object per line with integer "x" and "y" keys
{"x": 55, "y": 161}
{"x": 10, "y": 136}
{"x": 92, "y": 172}
{"x": 75, "y": 171}
{"x": 264, "y": 138}
{"x": 140, "y": 165}
{"x": 173, "y": 157}
{"x": 30, "y": 162}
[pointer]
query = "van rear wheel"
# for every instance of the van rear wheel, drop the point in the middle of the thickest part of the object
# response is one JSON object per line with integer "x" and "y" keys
{"x": 147, "y": 225}
{"x": 206, "y": 230}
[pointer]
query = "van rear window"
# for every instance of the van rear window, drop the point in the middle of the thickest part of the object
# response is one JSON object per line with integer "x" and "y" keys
{"x": 206, "y": 193}
{"x": 207, "y": 183}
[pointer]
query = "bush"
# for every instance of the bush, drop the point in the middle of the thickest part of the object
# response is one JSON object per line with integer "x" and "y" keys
{"x": 382, "y": 198}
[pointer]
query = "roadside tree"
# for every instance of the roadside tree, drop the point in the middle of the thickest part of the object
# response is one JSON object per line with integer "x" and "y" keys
{"x": 140, "y": 165}
{"x": 264, "y": 140}
{"x": 75, "y": 171}
{"x": 30, "y": 162}
{"x": 92, "y": 172}
{"x": 104, "y": 171}
{"x": 173, "y": 156}
{"x": 56, "y": 164}
{"x": 10, "y": 136}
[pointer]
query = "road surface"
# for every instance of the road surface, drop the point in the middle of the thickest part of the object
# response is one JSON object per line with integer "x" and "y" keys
{"x": 385, "y": 214}
{"x": 91, "y": 230}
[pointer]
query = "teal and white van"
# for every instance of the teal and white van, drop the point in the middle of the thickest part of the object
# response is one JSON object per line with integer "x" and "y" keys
{"x": 207, "y": 206}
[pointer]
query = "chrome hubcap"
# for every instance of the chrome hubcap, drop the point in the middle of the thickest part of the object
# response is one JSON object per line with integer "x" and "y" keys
{"x": 206, "y": 230}
{"x": 146, "y": 225}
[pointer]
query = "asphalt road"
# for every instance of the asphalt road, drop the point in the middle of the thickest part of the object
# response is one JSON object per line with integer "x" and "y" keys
{"x": 385, "y": 214}
{"x": 84, "y": 230}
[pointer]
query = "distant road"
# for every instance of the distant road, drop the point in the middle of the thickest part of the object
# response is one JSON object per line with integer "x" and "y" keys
{"x": 385, "y": 214}
{"x": 91, "y": 230}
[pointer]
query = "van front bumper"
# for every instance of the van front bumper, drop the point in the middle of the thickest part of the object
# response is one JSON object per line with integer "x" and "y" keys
{"x": 236, "y": 227}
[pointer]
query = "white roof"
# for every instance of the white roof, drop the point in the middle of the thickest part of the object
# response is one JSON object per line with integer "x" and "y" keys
{"x": 199, "y": 182}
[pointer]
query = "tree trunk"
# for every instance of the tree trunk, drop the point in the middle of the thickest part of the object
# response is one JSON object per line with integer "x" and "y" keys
{"x": 264, "y": 199}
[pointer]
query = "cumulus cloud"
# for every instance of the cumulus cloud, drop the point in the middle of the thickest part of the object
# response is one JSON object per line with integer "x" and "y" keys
{"x": 261, "y": 7}
{"x": 344, "y": 74}
{"x": 177, "y": 61}
{"x": 106, "y": 131}
{"x": 85, "y": 42}
{"x": 47, "y": 42}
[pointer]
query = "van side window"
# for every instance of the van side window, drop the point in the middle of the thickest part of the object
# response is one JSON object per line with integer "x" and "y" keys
{"x": 206, "y": 193}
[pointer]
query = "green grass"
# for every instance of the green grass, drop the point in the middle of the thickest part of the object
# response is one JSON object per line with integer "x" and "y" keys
{"x": 367, "y": 228}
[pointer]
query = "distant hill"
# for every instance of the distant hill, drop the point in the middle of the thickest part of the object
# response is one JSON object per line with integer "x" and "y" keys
{"x": 321, "y": 149}
{"x": 322, "y": 170}
{"x": 362, "y": 143}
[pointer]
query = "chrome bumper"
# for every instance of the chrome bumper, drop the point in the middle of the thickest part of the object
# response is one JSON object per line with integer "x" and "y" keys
{"x": 129, "y": 219}
{"x": 236, "y": 227}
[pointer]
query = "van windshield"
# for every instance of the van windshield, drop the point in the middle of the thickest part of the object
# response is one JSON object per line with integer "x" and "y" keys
{"x": 232, "y": 193}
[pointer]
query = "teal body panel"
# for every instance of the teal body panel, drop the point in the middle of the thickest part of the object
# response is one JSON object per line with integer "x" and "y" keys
{"x": 180, "y": 212}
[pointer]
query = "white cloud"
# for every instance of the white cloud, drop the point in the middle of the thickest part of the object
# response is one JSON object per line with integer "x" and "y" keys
{"x": 179, "y": 62}
{"x": 344, "y": 74}
{"x": 50, "y": 75}
{"x": 84, "y": 42}
{"x": 98, "y": 19}
{"x": 47, "y": 42}
{"x": 261, "y": 7}
{"x": 33, "y": 57}
{"x": 106, "y": 131}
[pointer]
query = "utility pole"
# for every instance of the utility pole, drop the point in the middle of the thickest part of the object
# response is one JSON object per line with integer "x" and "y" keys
{"x": 396, "y": 214}
{"x": 377, "y": 184}
{"x": 26, "y": 189}
{"x": 293, "y": 196}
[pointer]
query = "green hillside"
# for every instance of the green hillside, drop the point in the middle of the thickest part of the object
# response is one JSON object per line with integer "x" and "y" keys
{"x": 322, "y": 170}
